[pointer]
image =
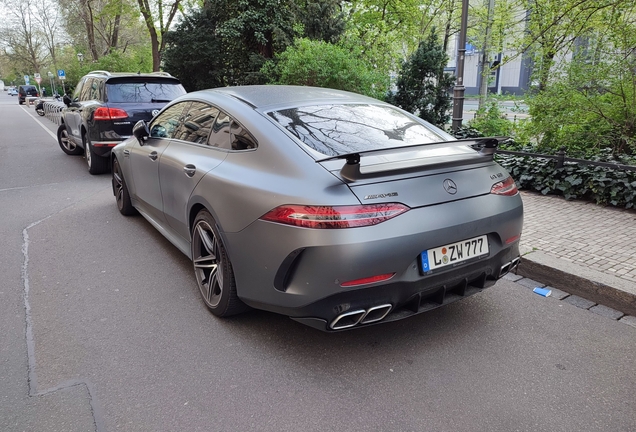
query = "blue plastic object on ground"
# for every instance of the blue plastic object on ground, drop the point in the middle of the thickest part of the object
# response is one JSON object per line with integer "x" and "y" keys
{"x": 542, "y": 291}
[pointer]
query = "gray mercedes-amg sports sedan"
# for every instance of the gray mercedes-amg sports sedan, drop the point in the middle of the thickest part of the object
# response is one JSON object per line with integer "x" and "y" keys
{"x": 335, "y": 209}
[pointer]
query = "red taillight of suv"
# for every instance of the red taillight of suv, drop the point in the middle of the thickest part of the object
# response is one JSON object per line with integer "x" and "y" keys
{"x": 104, "y": 113}
{"x": 506, "y": 188}
{"x": 334, "y": 216}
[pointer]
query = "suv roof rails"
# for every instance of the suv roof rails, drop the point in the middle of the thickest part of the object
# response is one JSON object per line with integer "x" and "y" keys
{"x": 103, "y": 72}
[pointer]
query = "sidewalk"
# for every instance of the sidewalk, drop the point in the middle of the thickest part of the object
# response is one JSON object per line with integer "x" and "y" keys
{"x": 580, "y": 248}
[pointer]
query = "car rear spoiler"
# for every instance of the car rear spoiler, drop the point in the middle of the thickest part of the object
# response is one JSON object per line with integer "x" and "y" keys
{"x": 351, "y": 169}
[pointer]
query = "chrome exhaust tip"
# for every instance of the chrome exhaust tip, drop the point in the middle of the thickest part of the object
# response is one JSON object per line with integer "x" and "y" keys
{"x": 347, "y": 320}
{"x": 504, "y": 270}
{"x": 376, "y": 313}
{"x": 514, "y": 263}
{"x": 508, "y": 267}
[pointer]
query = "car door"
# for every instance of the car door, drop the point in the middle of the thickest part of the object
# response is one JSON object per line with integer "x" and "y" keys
{"x": 184, "y": 163}
{"x": 145, "y": 160}
{"x": 72, "y": 114}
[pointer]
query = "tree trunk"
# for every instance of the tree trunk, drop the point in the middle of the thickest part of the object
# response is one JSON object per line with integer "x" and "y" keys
{"x": 484, "y": 74}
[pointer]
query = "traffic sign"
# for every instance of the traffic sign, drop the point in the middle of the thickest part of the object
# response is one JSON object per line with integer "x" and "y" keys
{"x": 61, "y": 74}
{"x": 26, "y": 79}
{"x": 37, "y": 77}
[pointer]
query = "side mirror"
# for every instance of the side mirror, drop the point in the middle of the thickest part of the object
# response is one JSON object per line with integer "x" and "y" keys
{"x": 141, "y": 131}
{"x": 67, "y": 100}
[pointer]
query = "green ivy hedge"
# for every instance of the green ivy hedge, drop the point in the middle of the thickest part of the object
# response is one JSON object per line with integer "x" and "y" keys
{"x": 605, "y": 186}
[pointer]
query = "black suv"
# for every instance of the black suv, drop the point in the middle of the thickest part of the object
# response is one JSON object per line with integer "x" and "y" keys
{"x": 26, "y": 90}
{"x": 104, "y": 108}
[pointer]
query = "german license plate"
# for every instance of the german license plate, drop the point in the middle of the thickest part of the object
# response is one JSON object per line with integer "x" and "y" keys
{"x": 454, "y": 253}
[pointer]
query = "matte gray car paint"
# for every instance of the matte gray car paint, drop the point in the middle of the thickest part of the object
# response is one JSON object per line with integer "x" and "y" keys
{"x": 243, "y": 186}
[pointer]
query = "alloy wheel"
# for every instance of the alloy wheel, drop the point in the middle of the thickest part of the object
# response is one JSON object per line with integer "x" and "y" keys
{"x": 118, "y": 185}
{"x": 67, "y": 143}
{"x": 208, "y": 265}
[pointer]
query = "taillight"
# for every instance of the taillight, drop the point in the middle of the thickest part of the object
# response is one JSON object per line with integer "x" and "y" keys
{"x": 104, "y": 113}
{"x": 334, "y": 216}
{"x": 506, "y": 188}
{"x": 368, "y": 280}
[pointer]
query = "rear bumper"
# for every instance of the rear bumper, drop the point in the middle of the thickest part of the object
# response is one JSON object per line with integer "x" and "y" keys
{"x": 298, "y": 272}
{"x": 395, "y": 301}
{"x": 103, "y": 148}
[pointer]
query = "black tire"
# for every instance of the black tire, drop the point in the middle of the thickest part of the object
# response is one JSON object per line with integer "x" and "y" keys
{"x": 213, "y": 269}
{"x": 40, "y": 111}
{"x": 120, "y": 189}
{"x": 67, "y": 146}
{"x": 96, "y": 164}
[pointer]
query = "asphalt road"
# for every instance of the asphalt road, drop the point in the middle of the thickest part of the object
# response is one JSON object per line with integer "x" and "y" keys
{"x": 103, "y": 330}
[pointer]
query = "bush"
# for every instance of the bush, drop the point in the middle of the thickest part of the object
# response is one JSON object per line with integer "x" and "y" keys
{"x": 423, "y": 88}
{"x": 490, "y": 121}
{"x": 600, "y": 184}
{"x": 321, "y": 64}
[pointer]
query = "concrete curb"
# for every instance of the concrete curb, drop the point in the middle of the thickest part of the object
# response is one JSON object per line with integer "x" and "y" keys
{"x": 575, "y": 279}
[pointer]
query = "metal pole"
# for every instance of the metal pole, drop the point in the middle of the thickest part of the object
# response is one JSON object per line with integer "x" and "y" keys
{"x": 459, "y": 89}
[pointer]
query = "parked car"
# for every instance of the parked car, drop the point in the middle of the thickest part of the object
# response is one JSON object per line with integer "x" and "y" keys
{"x": 26, "y": 90}
{"x": 335, "y": 209}
{"x": 104, "y": 108}
{"x": 12, "y": 91}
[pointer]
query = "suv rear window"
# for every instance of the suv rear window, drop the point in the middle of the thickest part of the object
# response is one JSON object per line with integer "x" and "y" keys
{"x": 340, "y": 129}
{"x": 142, "y": 91}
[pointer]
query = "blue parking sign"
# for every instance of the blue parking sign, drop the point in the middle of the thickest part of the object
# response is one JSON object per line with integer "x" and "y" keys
{"x": 61, "y": 74}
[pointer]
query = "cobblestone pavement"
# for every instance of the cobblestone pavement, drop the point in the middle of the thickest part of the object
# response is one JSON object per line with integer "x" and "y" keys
{"x": 601, "y": 238}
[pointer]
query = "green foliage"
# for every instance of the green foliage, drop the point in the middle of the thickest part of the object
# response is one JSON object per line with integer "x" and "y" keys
{"x": 422, "y": 86}
{"x": 490, "y": 121}
{"x": 589, "y": 108}
{"x": 321, "y": 64}
{"x": 195, "y": 56}
{"x": 600, "y": 184}
{"x": 321, "y": 20}
{"x": 227, "y": 42}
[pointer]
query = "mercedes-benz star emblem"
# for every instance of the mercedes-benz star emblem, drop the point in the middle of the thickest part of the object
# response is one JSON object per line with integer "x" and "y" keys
{"x": 450, "y": 186}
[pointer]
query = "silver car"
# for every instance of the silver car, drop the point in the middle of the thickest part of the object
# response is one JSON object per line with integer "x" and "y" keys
{"x": 335, "y": 209}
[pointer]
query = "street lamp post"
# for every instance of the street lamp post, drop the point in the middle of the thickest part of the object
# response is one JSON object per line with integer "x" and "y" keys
{"x": 53, "y": 90}
{"x": 80, "y": 58}
{"x": 459, "y": 89}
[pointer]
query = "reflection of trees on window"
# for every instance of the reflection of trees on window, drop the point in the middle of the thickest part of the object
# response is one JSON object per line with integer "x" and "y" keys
{"x": 339, "y": 129}
{"x": 197, "y": 123}
{"x": 144, "y": 92}
{"x": 166, "y": 123}
{"x": 240, "y": 138}
{"x": 220, "y": 136}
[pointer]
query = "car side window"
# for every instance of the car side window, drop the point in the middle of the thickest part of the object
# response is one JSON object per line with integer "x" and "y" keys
{"x": 86, "y": 90}
{"x": 93, "y": 93}
{"x": 166, "y": 124}
{"x": 220, "y": 135}
{"x": 78, "y": 90}
{"x": 240, "y": 138}
{"x": 197, "y": 123}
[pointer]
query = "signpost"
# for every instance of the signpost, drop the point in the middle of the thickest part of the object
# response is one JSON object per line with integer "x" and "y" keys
{"x": 26, "y": 79}
{"x": 53, "y": 90}
{"x": 62, "y": 76}
{"x": 38, "y": 80}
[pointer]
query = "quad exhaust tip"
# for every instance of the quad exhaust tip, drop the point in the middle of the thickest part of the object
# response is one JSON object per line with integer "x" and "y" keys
{"x": 360, "y": 316}
{"x": 508, "y": 267}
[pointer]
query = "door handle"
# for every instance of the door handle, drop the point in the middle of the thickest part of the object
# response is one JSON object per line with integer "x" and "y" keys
{"x": 153, "y": 155}
{"x": 189, "y": 170}
{"x": 126, "y": 152}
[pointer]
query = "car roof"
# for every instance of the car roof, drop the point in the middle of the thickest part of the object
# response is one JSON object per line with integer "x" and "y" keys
{"x": 108, "y": 75}
{"x": 265, "y": 97}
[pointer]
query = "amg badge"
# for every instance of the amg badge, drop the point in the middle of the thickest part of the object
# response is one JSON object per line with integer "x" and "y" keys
{"x": 384, "y": 195}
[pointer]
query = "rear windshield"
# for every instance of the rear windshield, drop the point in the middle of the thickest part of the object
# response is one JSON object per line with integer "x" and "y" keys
{"x": 339, "y": 129}
{"x": 143, "y": 92}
